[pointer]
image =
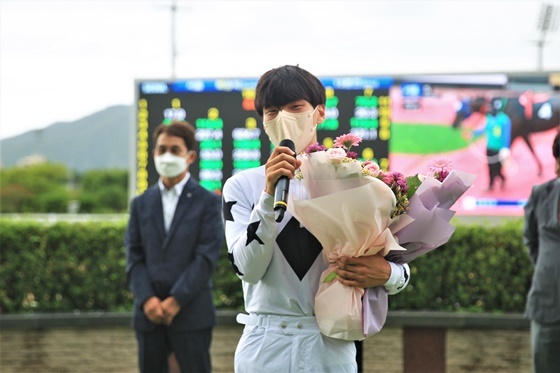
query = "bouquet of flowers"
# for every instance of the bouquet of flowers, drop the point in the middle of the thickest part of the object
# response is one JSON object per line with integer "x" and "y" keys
{"x": 353, "y": 208}
{"x": 424, "y": 227}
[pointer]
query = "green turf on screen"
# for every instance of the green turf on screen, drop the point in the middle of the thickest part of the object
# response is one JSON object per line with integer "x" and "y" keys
{"x": 425, "y": 138}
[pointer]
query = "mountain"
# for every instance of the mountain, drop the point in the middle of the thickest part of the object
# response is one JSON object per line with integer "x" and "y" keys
{"x": 101, "y": 140}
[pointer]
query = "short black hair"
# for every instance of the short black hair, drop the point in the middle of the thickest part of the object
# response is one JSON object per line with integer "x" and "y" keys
{"x": 285, "y": 84}
{"x": 556, "y": 146}
{"x": 177, "y": 128}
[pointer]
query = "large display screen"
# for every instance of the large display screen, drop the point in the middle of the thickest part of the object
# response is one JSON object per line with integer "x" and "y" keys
{"x": 229, "y": 131}
{"x": 448, "y": 117}
{"x": 404, "y": 122}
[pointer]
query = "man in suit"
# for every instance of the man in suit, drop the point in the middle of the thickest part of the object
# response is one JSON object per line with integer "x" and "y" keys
{"x": 173, "y": 242}
{"x": 542, "y": 237}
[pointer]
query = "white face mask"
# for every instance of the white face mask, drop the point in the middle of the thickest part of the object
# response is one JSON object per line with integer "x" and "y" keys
{"x": 169, "y": 165}
{"x": 300, "y": 128}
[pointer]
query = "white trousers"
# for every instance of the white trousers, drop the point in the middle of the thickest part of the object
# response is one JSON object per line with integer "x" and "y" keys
{"x": 287, "y": 344}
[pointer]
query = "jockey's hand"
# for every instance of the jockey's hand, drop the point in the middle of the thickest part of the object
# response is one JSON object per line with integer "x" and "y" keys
{"x": 282, "y": 162}
{"x": 364, "y": 272}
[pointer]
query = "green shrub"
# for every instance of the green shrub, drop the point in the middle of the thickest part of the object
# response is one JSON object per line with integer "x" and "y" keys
{"x": 56, "y": 200}
{"x": 227, "y": 286}
{"x": 88, "y": 202}
{"x": 47, "y": 187}
{"x": 95, "y": 180}
{"x": 64, "y": 267}
{"x": 480, "y": 269}
{"x": 16, "y": 198}
{"x": 34, "y": 188}
{"x": 112, "y": 199}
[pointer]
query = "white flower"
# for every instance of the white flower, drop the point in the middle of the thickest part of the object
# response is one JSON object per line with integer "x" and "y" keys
{"x": 336, "y": 155}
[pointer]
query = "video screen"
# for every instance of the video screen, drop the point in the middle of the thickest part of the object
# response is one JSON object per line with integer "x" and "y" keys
{"x": 502, "y": 135}
{"x": 230, "y": 133}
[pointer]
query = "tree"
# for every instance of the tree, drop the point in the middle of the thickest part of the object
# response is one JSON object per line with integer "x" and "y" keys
{"x": 34, "y": 188}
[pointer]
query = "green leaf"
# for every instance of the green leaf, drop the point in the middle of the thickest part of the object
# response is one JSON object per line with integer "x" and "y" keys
{"x": 413, "y": 183}
{"x": 331, "y": 276}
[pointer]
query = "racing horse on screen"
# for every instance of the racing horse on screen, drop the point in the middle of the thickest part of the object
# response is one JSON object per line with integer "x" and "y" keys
{"x": 529, "y": 113}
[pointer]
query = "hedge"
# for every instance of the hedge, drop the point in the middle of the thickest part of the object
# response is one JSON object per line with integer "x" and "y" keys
{"x": 79, "y": 267}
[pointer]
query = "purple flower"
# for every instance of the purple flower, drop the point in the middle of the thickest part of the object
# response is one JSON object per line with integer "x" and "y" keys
{"x": 395, "y": 180}
{"x": 387, "y": 178}
{"x": 352, "y": 155}
{"x": 399, "y": 181}
{"x": 315, "y": 148}
{"x": 441, "y": 175}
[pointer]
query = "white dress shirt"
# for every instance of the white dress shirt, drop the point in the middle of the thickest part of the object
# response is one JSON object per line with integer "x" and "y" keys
{"x": 169, "y": 199}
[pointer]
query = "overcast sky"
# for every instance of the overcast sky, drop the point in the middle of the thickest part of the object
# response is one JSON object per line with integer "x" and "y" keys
{"x": 63, "y": 60}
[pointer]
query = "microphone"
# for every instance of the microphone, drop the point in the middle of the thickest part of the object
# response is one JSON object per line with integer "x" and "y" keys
{"x": 282, "y": 187}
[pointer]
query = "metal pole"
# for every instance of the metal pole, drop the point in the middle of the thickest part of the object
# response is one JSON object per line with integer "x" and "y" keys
{"x": 540, "y": 46}
{"x": 548, "y": 22}
{"x": 173, "y": 44}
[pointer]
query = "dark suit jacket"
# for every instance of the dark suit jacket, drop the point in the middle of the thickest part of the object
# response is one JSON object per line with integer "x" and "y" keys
{"x": 541, "y": 234}
{"x": 178, "y": 263}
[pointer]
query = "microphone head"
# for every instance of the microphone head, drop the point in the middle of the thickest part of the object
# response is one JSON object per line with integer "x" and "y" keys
{"x": 279, "y": 215}
{"x": 288, "y": 143}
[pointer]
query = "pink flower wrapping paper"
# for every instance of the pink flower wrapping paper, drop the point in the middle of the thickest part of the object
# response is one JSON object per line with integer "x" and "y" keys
{"x": 355, "y": 209}
{"x": 349, "y": 214}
